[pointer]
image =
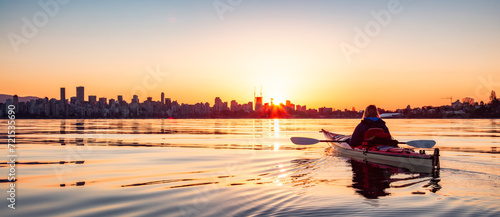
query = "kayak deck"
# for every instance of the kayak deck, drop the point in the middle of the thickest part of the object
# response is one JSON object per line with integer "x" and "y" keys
{"x": 385, "y": 154}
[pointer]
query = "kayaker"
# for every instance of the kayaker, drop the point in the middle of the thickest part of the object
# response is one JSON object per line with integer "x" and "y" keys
{"x": 371, "y": 119}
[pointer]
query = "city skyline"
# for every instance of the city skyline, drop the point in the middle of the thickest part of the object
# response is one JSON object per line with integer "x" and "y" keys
{"x": 80, "y": 97}
{"x": 324, "y": 53}
{"x": 102, "y": 107}
{"x": 256, "y": 104}
{"x": 258, "y": 98}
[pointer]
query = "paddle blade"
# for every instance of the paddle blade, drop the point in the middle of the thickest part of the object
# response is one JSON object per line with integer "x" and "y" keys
{"x": 422, "y": 143}
{"x": 304, "y": 141}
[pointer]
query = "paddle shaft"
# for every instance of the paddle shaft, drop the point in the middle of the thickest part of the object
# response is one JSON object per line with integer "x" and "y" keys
{"x": 346, "y": 140}
{"x": 414, "y": 143}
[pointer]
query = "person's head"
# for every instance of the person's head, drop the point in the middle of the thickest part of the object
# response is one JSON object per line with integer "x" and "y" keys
{"x": 371, "y": 111}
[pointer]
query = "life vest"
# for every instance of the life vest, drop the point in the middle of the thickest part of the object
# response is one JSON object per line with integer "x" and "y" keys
{"x": 377, "y": 136}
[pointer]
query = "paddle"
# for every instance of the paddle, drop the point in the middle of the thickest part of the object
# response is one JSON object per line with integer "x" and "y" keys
{"x": 414, "y": 143}
{"x": 420, "y": 143}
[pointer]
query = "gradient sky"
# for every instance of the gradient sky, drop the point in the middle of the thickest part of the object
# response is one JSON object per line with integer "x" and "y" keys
{"x": 430, "y": 50}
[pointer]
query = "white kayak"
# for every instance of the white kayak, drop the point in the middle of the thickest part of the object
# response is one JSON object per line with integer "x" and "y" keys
{"x": 385, "y": 154}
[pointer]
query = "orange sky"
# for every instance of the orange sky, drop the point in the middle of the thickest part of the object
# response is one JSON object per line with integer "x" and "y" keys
{"x": 427, "y": 51}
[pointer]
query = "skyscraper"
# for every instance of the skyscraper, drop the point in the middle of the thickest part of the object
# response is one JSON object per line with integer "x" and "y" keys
{"x": 63, "y": 95}
{"x": 16, "y": 103}
{"x": 102, "y": 102}
{"x": 162, "y": 98}
{"x": 234, "y": 105}
{"x": 92, "y": 99}
{"x": 80, "y": 94}
{"x": 168, "y": 103}
{"x": 120, "y": 99}
{"x": 258, "y": 100}
{"x": 218, "y": 104}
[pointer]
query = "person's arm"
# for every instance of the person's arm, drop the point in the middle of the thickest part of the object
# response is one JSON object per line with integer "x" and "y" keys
{"x": 386, "y": 129}
{"x": 357, "y": 136}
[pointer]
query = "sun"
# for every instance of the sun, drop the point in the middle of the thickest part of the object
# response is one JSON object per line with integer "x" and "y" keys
{"x": 278, "y": 99}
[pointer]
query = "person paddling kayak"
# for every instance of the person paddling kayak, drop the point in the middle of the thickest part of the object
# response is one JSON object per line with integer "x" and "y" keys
{"x": 371, "y": 119}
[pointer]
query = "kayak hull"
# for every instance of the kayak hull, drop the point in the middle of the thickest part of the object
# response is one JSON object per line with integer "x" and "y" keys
{"x": 388, "y": 155}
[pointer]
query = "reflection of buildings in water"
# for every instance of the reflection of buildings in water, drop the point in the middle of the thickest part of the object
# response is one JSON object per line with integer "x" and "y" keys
{"x": 62, "y": 141}
{"x": 72, "y": 184}
{"x": 62, "y": 128}
{"x": 220, "y": 127}
{"x": 92, "y": 141}
{"x": 118, "y": 125}
{"x": 162, "y": 129}
{"x": 135, "y": 127}
{"x": 168, "y": 127}
{"x": 80, "y": 126}
{"x": 257, "y": 128}
{"x": 148, "y": 127}
{"x": 290, "y": 125}
{"x": 79, "y": 141}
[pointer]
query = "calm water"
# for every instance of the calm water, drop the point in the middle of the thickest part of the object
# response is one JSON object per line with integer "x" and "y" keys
{"x": 242, "y": 168}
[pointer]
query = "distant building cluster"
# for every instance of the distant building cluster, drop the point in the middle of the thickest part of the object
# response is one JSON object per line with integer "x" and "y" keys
{"x": 468, "y": 108}
{"x": 93, "y": 107}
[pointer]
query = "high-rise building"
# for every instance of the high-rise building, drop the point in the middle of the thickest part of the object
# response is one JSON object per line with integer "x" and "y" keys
{"x": 7, "y": 103}
{"x": 258, "y": 100}
{"x": 258, "y": 103}
{"x": 102, "y": 102}
{"x": 120, "y": 99}
{"x": 218, "y": 104}
{"x": 162, "y": 98}
{"x": 16, "y": 102}
{"x": 234, "y": 105}
{"x": 135, "y": 99}
{"x": 92, "y": 99}
{"x": 301, "y": 108}
{"x": 80, "y": 94}
{"x": 168, "y": 103}
{"x": 249, "y": 107}
{"x": 53, "y": 108}
{"x": 63, "y": 101}
{"x": 63, "y": 95}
